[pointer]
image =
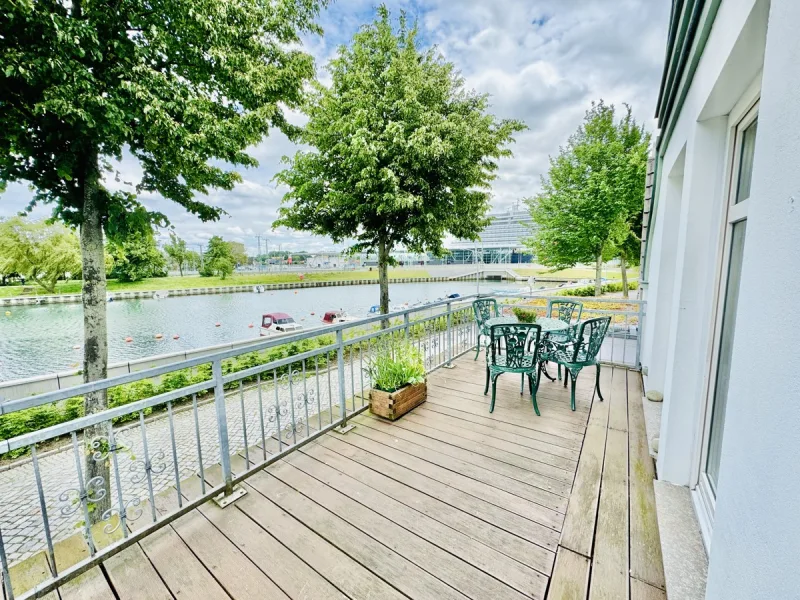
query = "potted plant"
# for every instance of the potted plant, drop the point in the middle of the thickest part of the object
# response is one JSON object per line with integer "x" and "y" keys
{"x": 524, "y": 315}
{"x": 397, "y": 371}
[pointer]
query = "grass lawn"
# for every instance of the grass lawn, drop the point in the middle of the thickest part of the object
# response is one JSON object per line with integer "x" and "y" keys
{"x": 576, "y": 273}
{"x": 193, "y": 281}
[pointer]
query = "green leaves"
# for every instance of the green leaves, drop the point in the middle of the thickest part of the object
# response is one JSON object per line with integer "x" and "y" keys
{"x": 402, "y": 153}
{"x": 218, "y": 259}
{"x": 593, "y": 190}
{"x": 178, "y": 84}
{"x": 43, "y": 253}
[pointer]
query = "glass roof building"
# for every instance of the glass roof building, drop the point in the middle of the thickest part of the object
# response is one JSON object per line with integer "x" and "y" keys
{"x": 500, "y": 242}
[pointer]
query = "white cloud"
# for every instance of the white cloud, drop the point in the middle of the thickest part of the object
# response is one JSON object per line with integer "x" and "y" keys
{"x": 542, "y": 61}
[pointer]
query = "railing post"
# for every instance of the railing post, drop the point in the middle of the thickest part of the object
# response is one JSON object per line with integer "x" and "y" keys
{"x": 639, "y": 332}
{"x": 406, "y": 323}
{"x": 343, "y": 426}
{"x": 230, "y": 494}
{"x": 449, "y": 364}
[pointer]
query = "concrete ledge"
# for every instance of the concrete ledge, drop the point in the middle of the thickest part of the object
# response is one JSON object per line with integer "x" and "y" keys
{"x": 652, "y": 422}
{"x": 685, "y": 559}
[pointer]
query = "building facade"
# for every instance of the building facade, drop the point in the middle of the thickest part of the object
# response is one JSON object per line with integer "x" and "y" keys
{"x": 502, "y": 241}
{"x": 720, "y": 279}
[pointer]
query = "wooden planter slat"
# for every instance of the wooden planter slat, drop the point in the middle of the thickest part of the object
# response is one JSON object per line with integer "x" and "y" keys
{"x": 393, "y": 405}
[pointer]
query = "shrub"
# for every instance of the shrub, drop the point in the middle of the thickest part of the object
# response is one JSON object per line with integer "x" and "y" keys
{"x": 607, "y": 288}
{"x": 396, "y": 364}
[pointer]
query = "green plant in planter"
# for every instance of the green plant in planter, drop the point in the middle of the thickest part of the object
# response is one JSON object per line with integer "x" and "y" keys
{"x": 523, "y": 315}
{"x": 396, "y": 363}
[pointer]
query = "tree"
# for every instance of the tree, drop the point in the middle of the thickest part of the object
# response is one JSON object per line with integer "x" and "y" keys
{"x": 137, "y": 257}
{"x": 185, "y": 87}
{"x": 218, "y": 259}
{"x": 401, "y": 153}
{"x": 193, "y": 260}
{"x": 238, "y": 253}
{"x": 42, "y": 252}
{"x": 630, "y": 185}
{"x": 177, "y": 251}
{"x": 586, "y": 198}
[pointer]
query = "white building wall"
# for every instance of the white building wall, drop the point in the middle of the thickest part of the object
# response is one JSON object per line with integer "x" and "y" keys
{"x": 755, "y": 550}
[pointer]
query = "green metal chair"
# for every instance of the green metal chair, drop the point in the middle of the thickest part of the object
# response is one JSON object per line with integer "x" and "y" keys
{"x": 514, "y": 348}
{"x": 484, "y": 309}
{"x": 577, "y": 353}
{"x": 568, "y": 311}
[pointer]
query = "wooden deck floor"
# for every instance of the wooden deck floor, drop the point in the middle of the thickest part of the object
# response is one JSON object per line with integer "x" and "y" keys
{"x": 450, "y": 502}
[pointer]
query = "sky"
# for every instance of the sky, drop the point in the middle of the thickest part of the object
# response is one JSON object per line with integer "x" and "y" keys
{"x": 541, "y": 61}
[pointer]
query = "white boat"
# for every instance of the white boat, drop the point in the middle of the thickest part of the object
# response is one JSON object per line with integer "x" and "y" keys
{"x": 338, "y": 316}
{"x": 160, "y": 295}
{"x": 259, "y": 289}
{"x": 272, "y": 323}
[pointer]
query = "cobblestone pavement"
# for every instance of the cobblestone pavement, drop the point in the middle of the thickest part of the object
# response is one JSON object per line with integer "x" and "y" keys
{"x": 20, "y": 515}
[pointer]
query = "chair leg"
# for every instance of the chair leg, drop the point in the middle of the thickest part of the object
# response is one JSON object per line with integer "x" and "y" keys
{"x": 494, "y": 392}
{"x": 534, "y": 389}
{"x": 478, "y": 351}
{"x": 573, "y": 377}
{"x": 566, "y": 371}
{"x": 597, "y": 383}
{"x": 486, "y": 388}
{"x": 522, "y": 384}
{"x": 559, "y": 372}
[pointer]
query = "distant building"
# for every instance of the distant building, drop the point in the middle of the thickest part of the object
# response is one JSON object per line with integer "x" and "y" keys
{"x": 503, "y": 241}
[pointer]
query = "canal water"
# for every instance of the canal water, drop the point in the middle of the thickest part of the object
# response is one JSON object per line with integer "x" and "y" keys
{"x": 43, "y": 339}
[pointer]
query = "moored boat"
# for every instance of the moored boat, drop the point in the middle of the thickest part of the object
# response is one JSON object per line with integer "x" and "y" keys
{"x": 273, "y": 323}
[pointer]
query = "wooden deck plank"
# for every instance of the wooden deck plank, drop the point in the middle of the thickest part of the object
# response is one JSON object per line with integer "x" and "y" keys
{"x": 498, "y": 539}
{"x": 446, "y": 448}
{"x": 645, "y": 544}
{"x": 310, "y": 545}
{"x": 643, "y": 591}
{"x": 387, "y": 564}
{"x": 232, "y": 568}
{"x": 550, "y": 397}
{"x": 570, "y": 580}
{"x": 181, "y": 571}
{"x": 610, "y": 562}
{"x": 134, "y": 578}
{"x": 388, "y": 524}
{"x": 358, "y": 449}
{"x": 479, "y": 439}
{"x": 579, "y": 522}
{"x": 618, "y": 405}
{"x": 287, "y": 570}
{"x": 91, "y": 584}
{"x": 501, "y": 431}
{"x": 511, "y": 404}
{"x": 520, "y": 424}
{"x": 512, "y": 495}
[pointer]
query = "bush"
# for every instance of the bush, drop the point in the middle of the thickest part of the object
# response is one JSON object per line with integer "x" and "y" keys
{"x": 607, "y": 288}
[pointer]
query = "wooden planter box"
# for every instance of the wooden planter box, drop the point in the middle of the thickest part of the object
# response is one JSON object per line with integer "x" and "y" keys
{"x": 393, "y": 405}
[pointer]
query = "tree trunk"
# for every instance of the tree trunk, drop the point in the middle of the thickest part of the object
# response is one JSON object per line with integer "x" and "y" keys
{"x": 95, "y": 340}
{"x": 180, "y": 267}
{"x": 598, "y": 275}
{"x": 623, "y": 267}
{"x": 383, "y": 279}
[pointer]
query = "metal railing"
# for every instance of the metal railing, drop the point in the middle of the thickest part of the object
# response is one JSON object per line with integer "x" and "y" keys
{"x": 99, "y": 475}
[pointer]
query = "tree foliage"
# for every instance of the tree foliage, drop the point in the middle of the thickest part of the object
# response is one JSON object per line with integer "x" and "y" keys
{"x": 177, "y": 251}
{"x": 217, "y": 259}
{"x": 592, "y": 192}
{"x": 402, "y": 153}
{"x": 137, "y": 257}
{"x": 41, "y": 252}
{"x": 238, "y": 253}
{"x": 185, "y": 87}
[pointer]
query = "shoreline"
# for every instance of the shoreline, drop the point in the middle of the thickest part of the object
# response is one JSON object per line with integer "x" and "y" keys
{"x": 200, "y": 291}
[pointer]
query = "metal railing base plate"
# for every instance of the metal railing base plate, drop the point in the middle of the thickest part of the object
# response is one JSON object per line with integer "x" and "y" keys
{"x": 342, "y": 429}
{"x": 450, "y": 366}
{"x": 222, "y": 500}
